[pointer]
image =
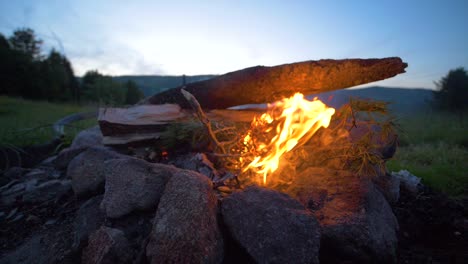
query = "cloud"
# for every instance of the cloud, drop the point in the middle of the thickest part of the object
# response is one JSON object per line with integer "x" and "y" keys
{"x": 112, "y": 60}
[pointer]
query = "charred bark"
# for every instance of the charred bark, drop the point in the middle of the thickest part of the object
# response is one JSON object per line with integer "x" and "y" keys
{"x": 262, "y": 84}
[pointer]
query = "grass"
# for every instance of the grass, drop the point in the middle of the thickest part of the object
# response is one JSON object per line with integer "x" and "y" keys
{"x": 434, "y": 146}
{"x": 432, "y": 127}
{"x": 24, "y": 122}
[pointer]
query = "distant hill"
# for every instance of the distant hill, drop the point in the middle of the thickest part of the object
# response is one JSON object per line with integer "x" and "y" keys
{"x": 401, "y": 99}
{"x": 151, "y": 84}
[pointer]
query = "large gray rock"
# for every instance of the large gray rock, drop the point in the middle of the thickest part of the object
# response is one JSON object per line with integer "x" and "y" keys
{"x": 185, "y": 228}
{"x": 389, "y": 185}
{"x": 90, "y": 137}
{"x": 408, "y": 181}
{"x": 87, "y": 170}
{"x": 198, "y": 162}
{"x": 133, "y": 184}
{"x": 65, "y": 156}
{"x": 271, "y": 226}
{"x": 88, "y": 219}
{"x": 107, "y": 246}
{"x": 358, "y": 224}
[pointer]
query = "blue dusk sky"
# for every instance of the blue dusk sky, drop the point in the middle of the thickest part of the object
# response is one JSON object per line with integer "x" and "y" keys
{"x": 215, "y": 37}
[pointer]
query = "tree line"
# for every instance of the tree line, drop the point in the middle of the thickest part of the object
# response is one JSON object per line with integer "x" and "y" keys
{"x": 26, "y": 72}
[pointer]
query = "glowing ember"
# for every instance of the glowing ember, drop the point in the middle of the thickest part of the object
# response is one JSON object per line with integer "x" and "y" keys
{"x": 291, "y": 122}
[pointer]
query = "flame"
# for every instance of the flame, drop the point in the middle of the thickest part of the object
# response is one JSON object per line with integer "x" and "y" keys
{"x": 292, "y": 121}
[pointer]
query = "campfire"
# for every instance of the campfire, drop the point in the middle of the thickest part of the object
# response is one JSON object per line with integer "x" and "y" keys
{"x": 251, "y": 145}
{"x": 187, "y": 177}
{"x": 325, "y": 158}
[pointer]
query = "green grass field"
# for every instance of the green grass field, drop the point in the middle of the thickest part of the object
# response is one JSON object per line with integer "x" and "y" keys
{"x": 24, "y": 122}
{"x": 434, "y": 146}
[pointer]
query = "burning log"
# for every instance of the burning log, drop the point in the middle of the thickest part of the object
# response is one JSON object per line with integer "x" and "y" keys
{"x": 262, "y": 84}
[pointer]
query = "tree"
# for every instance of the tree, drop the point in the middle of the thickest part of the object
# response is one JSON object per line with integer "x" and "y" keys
{"x": 96, "y": 87}
{"x": 6, "y": 58}
{"x": 88, "y": 82}
{"x": 25, "y": 41}
{"x": 72, "y": 82}
{"x": 452, "y": 91}
{"x": 25, "y": 72}
{"x": 133, "y": 93}
{"x": 55, "y": 77}
{"x": 59, "y": 82}
{"x": 18, "y": 71}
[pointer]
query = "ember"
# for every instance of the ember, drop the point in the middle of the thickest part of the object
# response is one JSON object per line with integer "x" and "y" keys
{"x": 288, "y": 123}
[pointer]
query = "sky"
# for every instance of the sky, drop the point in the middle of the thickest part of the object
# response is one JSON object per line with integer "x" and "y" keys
{"x": 214, "y": 37}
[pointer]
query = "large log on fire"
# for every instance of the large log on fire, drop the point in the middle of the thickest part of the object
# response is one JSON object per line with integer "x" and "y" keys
{"x": 262, "y": 84}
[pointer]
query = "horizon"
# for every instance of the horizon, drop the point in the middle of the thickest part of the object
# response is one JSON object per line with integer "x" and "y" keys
{"x": 211, "y": 38}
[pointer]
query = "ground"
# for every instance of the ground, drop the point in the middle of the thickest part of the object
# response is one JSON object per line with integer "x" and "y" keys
{"x": 25, "y": 122}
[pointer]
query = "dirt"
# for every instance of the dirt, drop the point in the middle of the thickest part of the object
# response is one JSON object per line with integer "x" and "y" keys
{"x": 433, "y": 228}
{"x": 44, "y": 233}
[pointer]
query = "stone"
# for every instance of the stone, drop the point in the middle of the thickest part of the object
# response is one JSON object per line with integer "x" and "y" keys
{"x": 358, "y": 224}
{"x": 107, "y": 245}
{"x": 408, "y": 181}
{"x": 185, "y": 227}
{"x": 389, "y": 185}
{"x": 10, "y": 193}
{"x": 17, "y": 188}
{"x": 87, "y": 171}
{"x": 30, "y": 185}
{"x": 43, "y": 173}
{"x": 198, "y": 162}
{"x": 12, "y": 213}
{"x": 50, "y": 222}
{"x": 90, "y": 137}
{"x": 133, "y": 184}
{"x": 36, "y": 174}
{"x": 33, "y": 219}
{"x": 18, "y": 217}
{"x": 47, "y": 191}
{"x": 271, "y": 226}
{"x": 66, "y": 156}
{"x": 89, "y": 218}
{"x": 49, "y": 162}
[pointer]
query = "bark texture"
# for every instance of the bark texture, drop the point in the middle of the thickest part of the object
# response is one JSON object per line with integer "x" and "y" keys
{"x": 262, "y": 84}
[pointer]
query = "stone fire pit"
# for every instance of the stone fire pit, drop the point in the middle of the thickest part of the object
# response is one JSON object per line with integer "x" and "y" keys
{"x": 96, "y": 203}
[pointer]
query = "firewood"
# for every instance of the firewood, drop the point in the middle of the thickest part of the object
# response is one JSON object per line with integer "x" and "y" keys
{"x": 146, "y": 123}
{"x": 139, "y": 119}
{"x": 262, "y": 84}
{"x": 134, "y": 139}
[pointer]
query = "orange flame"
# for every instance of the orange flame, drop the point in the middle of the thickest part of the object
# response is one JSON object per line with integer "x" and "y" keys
{"x": 296, "y": 120}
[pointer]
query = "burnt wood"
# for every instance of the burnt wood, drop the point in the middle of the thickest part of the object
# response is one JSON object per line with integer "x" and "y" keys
{"x": 262, "y": 84}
